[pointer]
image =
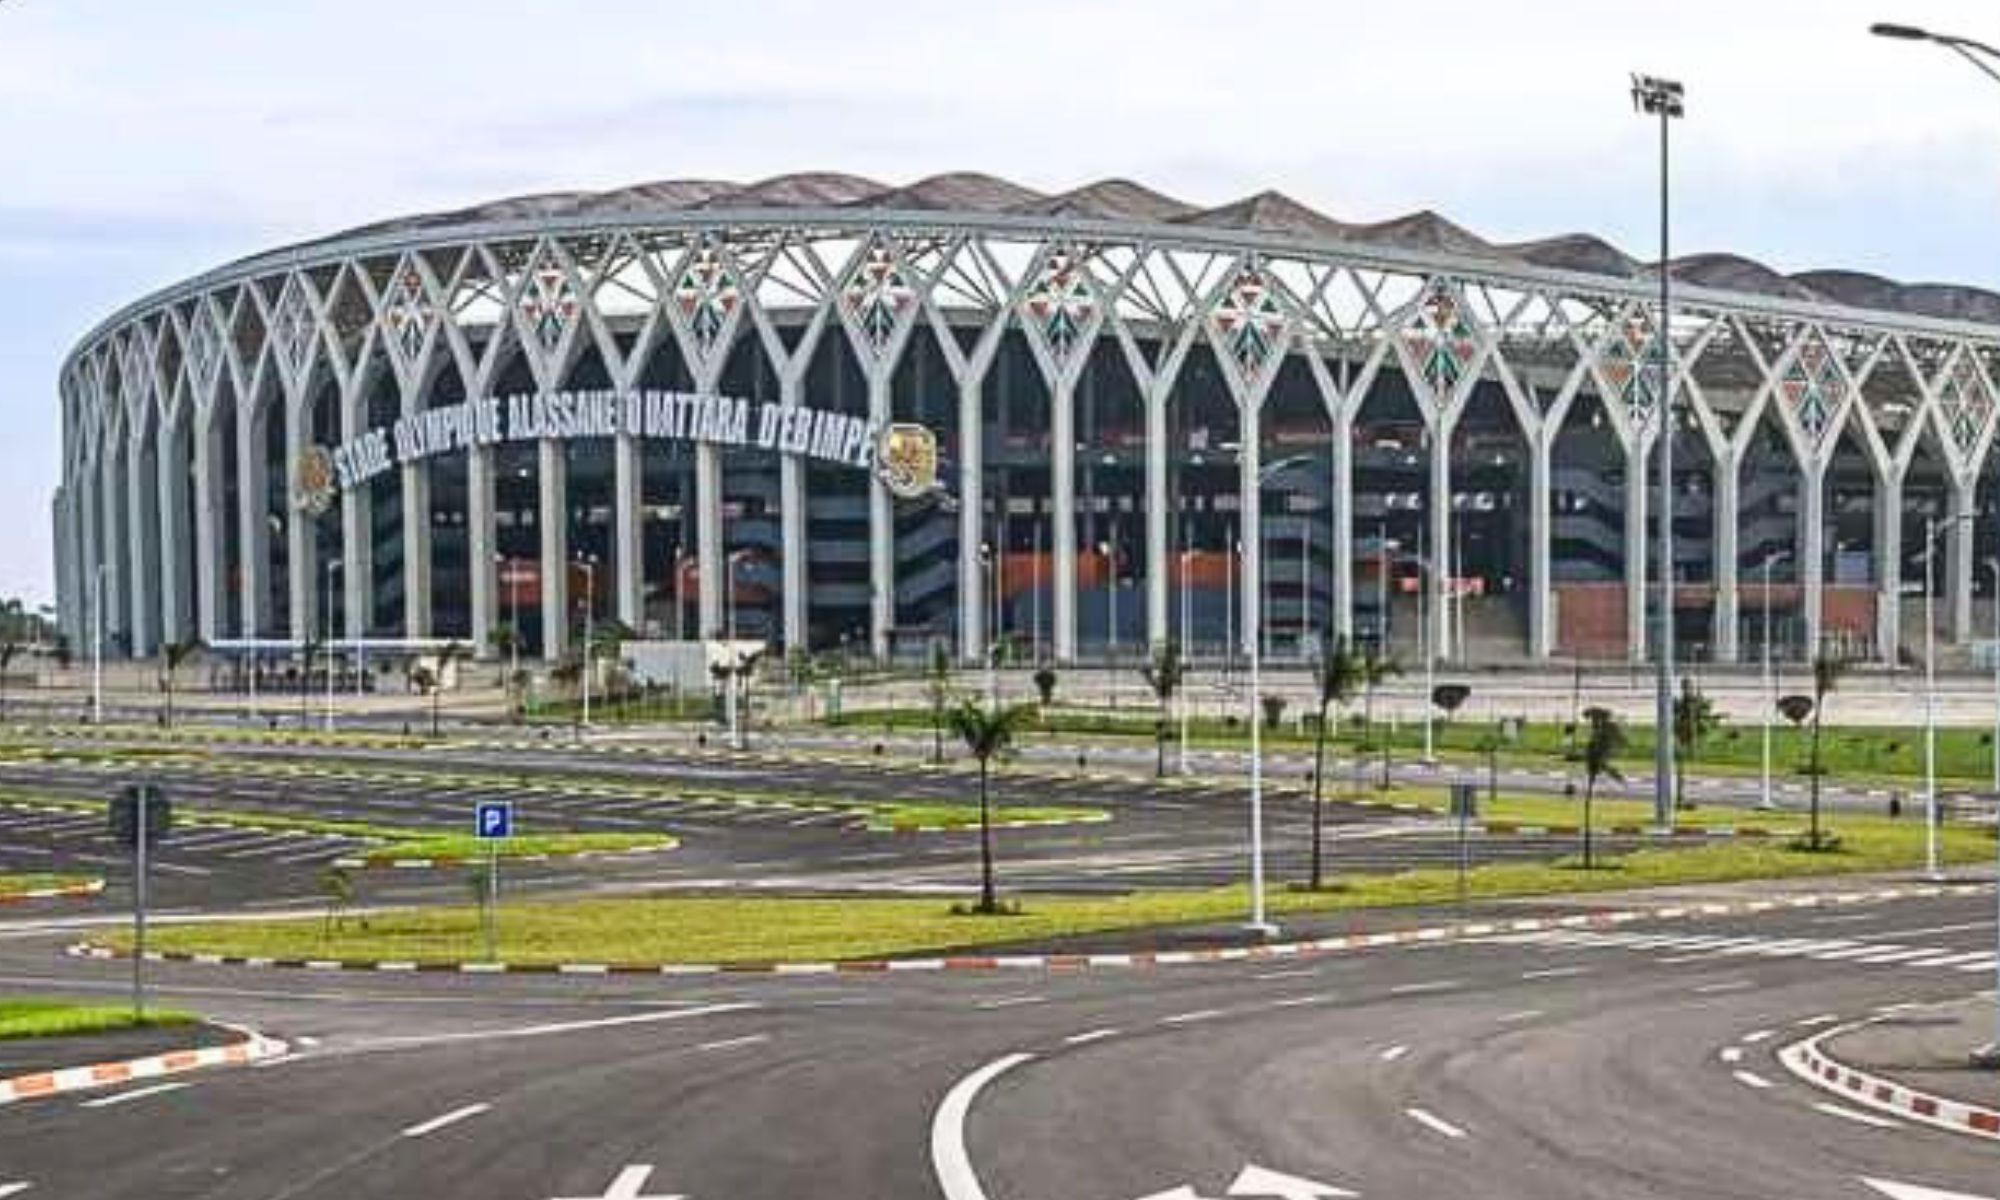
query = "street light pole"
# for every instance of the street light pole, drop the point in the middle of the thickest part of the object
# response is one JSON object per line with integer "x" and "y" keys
{"x": 332, "y": 565}
{"x": 1181, "y": 692}
{"x": 1770, "y": 697}
{"x": 1259, "y": 923}
{"x": 97, "y": 646}
{"x": 1665, "y": 99}
{"x": 1993, "y": 564}
{"x": 589, "y": 565}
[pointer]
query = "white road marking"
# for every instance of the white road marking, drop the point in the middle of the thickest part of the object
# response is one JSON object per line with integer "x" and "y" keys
{"x": 562, "y": 1027}
{"x": 1189, "y": 1018}
{"x": 1751, "y": 1079}
{"x": 1893, "y": 1190}
{"x": 1821, "y": 1019}
{"x": 1295, "y": 973}
{"x": 1433, "y": 1122}
{"x": 949, "y": 1160}
{"x": 1860, "y": 1118}
{"x": 1526, "y": 1014}
{"x": 1012, "y": 1002}
{"x": 1440, "y": 985}
{"x": 157, "y": 1089}
{"x": 1301, "y": 1001}
{"x": 1395, "y": 1052}
{"x": 1733, "y": 985}
{"x": 1732, "y": 1054}
{"x": 1758, "y": 1035}
{"x": 1555, "y": 973}
{"x": 1088, "y": 1036}
{"x": 1934, "y": 930}
{"x": 13, "y": 1189}
{"x": 451, "y": 1118}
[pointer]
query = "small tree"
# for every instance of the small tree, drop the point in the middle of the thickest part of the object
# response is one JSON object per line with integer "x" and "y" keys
{"x": 1045, "y": 685}
{"x": 1336, "y": 673}
{"x": 173, "y": 657}
{"x": 9, "y": 651}
{"x": 1695, "y": 718}
{"x": 1448, "y": 698}
{"x": 1376, "y": 668}
{"x": 1827, "y": 670}
{"x": 937, "y": 682}
{"x": 986, "y": 733}
{"x": 336, "y": 887}
{"x": 504, "y": 639}
{"x": 1605, "y": 742}
{"x": 451, "y": 652}
{"x": 1164, "y": 676}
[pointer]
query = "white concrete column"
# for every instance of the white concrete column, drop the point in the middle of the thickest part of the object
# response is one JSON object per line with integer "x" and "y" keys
{"x": 1960, "y": 558}
{"x": 1164, "y": 557}
{"x": 1541, "y": 571}
{"x": 116, "y": 560}
{"x": 1062, "y": 533}
{"x": 552, "y": 521}
{"x": 974, "y": 527}
{"x": 881, "y": 530}
{"x": 142, "y": 514}
{"x": 1728, "y": 589}
{"x": 301, "y": 547}
{"x": 1811, "y": 553}
{"x": 357, "y": 562}
{"x": 210, "y": 586}
{"x": 1440, "y": 549}
{"x": 1343, "y": 524}
{"x": 1636, "y": 544}
{"x": 480, "y": 547}
{"x": 253, "y": 529}
{"x": 59, "y": 539}
{"x": 1250, "y": 588}
{"x": 628, "y": 515}
{"x": 174, "y": 561}
{"x": 85, "y": 499}
{"x": 792, "y": 526}
{"x": 708, "y": 538}
{"x": 417, "y": 556}
{"x": 1889, "y": 568}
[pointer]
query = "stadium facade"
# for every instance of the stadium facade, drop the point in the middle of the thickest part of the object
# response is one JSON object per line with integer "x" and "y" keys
{"x": 667, "y": 404}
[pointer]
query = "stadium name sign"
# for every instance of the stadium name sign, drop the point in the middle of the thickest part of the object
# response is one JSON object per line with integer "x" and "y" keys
{"x": 650, "y": 414}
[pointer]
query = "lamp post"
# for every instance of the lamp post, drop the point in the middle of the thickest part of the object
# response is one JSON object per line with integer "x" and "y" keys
{"x": 1665, "y": 99}
{"x": 97, "y": 646}
{"x": 1770, "y": 692}
{"x": 1181, "y": 692}
{"x": 1259, "y": 923}
{"x": 506, "y": 569}
{"x": 1993, "y": 565}
{"x": 1932, "y": 527}
{"x": 987, "y": 558}
{"x": 1978, "y": 54}
{"x": 735, "y": 657}
{"x": 332, "y": 565}
{"x": 1109, "y": 553}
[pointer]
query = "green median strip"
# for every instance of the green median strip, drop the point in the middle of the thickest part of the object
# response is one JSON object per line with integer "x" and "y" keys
{"x": 31, "y": 1017}
{"x": 23, "y": 884}
{"x": 669, "y": 929}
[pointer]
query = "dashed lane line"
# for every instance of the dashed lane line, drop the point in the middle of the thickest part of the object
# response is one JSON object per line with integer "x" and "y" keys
{"x": 1394, "y": 1052}
{"x": 1434, "y": 1123}
{"x": 1190, "y": 1018}
{"x": 735, "y": 1043}
{"x": 1751, "y": 1079}
{"x": 1732, "y": 985}
{"x": 158, "y": 1089}
{"x": 453, "y": 1117}
{"x": 1088, "y": 1036}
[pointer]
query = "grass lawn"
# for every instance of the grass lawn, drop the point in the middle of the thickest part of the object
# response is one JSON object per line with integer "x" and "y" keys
{"x": 35, "y": 881}
{"x": 554, "y": 845}
{"x": 31, "y": 1017}
{"x": 722, "y": 930}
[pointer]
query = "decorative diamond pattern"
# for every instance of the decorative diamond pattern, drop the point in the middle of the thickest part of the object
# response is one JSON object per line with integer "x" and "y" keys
{"x": 1625, "y": 360}
{"x": 407, "y": 311}
{"x": 1251, "y": 321}
{"x": 1061, "y": 303}
{"x": 877, "y": 295}
{"x": 293, "y": 328}
{"x": 1813, "y": 387}
{"x": 204, "y": 346}
{"x": 708, "y": 293}
{"x": 1965, "y": 402}
{"x": 547, "y": 303}
{"x": 1441, "y": 340}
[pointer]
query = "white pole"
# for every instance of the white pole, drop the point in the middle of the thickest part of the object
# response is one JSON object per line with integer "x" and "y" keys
{"x": 1994, "y": 650}
{"x": 1185, "y": 651}
{"x": 1258, "y": 923}
{"x": 1930, "y": 703}
{"x": 332, "y": 565}
{"x": 993, "y": 631}
{"x": 1232, "y": 550}
{"x": 97, "y": 648}
{"x": 1764, "y": 796}
{"x": 589, "y": 630}
{"x": 1035, "y": 592}
{"x": 735, "y": 661}
{"x": 1305, "y": 584}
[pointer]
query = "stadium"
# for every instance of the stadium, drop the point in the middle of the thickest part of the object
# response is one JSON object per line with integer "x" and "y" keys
{"x": 826, "y": 412}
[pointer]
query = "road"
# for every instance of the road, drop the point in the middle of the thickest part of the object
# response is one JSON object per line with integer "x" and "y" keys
{"x": 1572, "y": 1064}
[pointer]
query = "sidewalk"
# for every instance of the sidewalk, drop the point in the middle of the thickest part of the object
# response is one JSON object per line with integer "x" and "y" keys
{"x": 1926, "y": 1050}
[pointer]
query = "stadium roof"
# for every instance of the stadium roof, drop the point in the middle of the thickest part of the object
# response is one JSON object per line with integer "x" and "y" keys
{"x": 1266, "y": 212}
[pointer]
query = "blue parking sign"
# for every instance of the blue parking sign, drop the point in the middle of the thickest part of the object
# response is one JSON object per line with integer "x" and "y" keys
{"x": 494, "y": 819}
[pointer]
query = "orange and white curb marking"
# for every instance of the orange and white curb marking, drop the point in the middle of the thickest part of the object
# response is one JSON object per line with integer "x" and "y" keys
{"x": 254, "y": 1047}
{"x": 68, "y": 891}
{"x": 1807, "y": 1060}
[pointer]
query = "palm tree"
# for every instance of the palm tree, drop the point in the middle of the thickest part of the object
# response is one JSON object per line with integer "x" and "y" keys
{"x": 449, "y": 653}
{"x": 1164, "y": 675}
{"x": 9, "y": 650}
{"x": 504, "y": 638}
{"x": 174, "y": 656}
{"x": 1694, "y": 719}
{"x": 1605, "y": 742}
{"x": 1336, "y": 673}
{"x": 1827, "y": 670}
{"x": 1376, "y": 668}
{"x": 986, "y": 733}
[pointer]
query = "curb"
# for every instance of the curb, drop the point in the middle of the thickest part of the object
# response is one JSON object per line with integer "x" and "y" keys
{"x": 426, "y": 864}
{"x": 1806, "y": 1060}
{"x": 68, "y": 891}
{"x": 1043, "y": 962}
{"x": 254, "y": 1047}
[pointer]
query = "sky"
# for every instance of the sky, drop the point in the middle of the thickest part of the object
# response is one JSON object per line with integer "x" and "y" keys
{"x": 143, "y": 141}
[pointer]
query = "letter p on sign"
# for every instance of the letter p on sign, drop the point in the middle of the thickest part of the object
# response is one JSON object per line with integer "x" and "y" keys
{"x": 494, "y": 819}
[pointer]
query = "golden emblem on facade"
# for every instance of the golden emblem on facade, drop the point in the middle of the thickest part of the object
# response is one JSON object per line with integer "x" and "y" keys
{"x": 906, "y": 460}
{"x": 313, "y": 481}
